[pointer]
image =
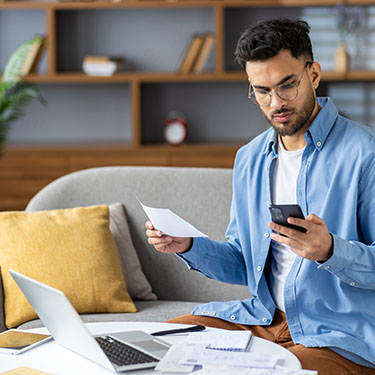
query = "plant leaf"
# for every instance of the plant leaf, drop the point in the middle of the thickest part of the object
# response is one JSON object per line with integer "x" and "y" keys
{"x": 15, "y": 98}
{"x": 17, "y": 59}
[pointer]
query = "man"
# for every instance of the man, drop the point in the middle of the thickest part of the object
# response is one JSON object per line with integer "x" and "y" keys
{"x": 313, "y": 292}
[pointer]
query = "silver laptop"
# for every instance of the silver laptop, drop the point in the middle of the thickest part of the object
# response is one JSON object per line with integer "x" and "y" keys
{"x": 68, "y": 330}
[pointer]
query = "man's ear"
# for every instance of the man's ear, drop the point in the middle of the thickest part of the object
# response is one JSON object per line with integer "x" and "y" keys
{"x": 315, "y": 74}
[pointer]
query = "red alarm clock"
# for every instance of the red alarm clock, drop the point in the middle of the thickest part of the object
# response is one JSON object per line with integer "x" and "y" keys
{"x": 175, "y": 130}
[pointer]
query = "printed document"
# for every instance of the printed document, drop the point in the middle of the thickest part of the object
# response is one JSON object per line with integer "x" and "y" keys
{"x": 169, "y": 223}
{"x": 170, "y": 361}
{"x": 201, "y": 356}
{"x": 278, "y": 370}
{"x": 220, "y": 339}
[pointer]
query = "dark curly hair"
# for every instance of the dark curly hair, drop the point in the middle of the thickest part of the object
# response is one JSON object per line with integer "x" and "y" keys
{"x": 267, "y": 38}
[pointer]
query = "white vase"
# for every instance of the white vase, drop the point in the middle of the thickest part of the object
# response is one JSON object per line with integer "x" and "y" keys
{"x": 341, "y": 59}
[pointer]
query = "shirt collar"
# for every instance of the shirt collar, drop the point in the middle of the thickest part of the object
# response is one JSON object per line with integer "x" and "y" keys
{"x": 317, "y": 132}
{"x": 319, "y": 129}
{"x": 271, "y": 142}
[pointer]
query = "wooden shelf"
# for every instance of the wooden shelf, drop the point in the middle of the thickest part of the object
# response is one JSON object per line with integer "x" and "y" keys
{"x": 161, "y": 77}
{"x": 122, "y": 146}
{"x": 172, "y": 3}
{"x": 354, "y": 75}
{"x": 142, "y": 77}
{"x": 74, "y": 5}
{"x": 234, "y": 3}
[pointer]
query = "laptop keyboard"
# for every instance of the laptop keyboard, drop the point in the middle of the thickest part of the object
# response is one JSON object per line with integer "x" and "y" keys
{"x": 122, "y": 354}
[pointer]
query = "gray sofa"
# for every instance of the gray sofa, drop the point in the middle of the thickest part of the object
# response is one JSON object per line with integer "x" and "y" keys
{"x": 200, "y": 195}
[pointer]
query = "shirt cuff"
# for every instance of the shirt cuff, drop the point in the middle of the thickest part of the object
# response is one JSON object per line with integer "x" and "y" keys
{"x": 191, "y": 256}
{"x": 337, "y": 263}
{"x": 336, "y": 260}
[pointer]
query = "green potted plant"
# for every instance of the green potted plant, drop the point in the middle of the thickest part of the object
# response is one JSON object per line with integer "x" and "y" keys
{"x": 16, "y": 93}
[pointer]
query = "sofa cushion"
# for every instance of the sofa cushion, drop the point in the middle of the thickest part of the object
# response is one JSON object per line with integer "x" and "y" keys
{"x": 2, "y": 320}
{"x": 147, "y": 311}
{"x": 70, "y": 249}
{"x": 138, "y": 286}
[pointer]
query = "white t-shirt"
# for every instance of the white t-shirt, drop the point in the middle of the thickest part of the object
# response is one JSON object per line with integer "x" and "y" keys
{"x": 284, "y": 184}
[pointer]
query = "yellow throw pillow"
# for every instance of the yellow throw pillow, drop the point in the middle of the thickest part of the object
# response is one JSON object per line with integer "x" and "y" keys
{"x": 72, "y": 250}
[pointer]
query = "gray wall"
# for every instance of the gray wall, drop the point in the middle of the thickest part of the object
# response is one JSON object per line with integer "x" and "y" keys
{"x": 77, "y": 113}
{"x": 214, "y": 111}
{"x": 150, "y": 39}
{"x": 17, "y": 26}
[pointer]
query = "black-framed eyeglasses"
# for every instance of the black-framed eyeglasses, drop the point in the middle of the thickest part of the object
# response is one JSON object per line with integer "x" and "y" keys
{"x": 285, "y": 91}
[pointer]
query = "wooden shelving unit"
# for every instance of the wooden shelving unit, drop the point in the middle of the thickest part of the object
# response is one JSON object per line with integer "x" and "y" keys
{"x": 24, "y": 169}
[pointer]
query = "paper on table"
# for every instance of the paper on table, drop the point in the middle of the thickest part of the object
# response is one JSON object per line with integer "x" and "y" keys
{"x": 278, "y": 370}
{"x": 287, "y": 371}
{"x": 201, "y": 356}
{"x": 169, "y": 223}
{"x": 221, "y": 339}
{"x": 25, "y": 371}
{"x": 169, "y": 363}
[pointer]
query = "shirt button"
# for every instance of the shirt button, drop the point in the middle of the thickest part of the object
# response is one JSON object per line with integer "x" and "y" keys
{"x": 268, "y": 203}
{"x": 259, "y": 268}
{"x": 266, "y": 234}
{"x": 327, "y": 267}
{"x": 232, "y": 317}
{"x": 318, "y": 143}
{"x": 352, "y": 283}
{"x": 267, "y": 169}
{"x": 264, "y": 320}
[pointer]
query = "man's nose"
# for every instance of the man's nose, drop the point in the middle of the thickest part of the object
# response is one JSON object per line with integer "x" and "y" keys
{"x": 276, "y": 101}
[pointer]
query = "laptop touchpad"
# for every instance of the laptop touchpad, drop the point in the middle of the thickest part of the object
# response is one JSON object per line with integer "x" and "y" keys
{"x": 141, "y": 339}
{"x": 150, "y": 346}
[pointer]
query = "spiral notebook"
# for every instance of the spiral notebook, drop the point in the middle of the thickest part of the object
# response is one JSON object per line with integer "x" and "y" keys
{"x": 235, "y": 341}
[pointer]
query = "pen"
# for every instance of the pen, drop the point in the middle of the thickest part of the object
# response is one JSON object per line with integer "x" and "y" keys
{"x": 179, "y": 330}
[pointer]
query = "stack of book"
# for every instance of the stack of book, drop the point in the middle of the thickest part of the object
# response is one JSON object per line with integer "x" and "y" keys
{"x": 102, "y": 65}
{"x": 197, "y": 53}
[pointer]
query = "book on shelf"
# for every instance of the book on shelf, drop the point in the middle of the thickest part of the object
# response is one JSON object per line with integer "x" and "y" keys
{"x": 102, "y": 59}
{"x": 102, "y": 65}
{"x": 191, "y": 54}
{"x": 33, "y": 56}
{"x": 197, "y": 53}
{"x": 204, "y": 53}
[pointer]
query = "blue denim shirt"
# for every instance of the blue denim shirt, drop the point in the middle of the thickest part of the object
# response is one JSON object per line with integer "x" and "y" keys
{"x": 327, "y": 305}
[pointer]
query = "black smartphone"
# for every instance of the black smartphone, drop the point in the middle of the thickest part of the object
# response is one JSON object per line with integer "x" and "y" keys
{"x": 281, "y": 212}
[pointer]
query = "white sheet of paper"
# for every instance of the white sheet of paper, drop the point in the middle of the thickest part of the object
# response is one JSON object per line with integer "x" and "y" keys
{"x": 225, "y": 370}
{"x": 220, "y": 339}
{"x": 169, "y": 223}
{"x": 169, "y": 363}
{"x": 201, "y": 356}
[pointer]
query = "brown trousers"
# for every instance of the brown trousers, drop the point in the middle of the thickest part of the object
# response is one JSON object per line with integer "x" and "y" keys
{"x": 324, "y": 360}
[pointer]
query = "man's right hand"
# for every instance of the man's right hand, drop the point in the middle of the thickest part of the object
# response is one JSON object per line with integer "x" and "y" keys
{"x": 166, "y": 244}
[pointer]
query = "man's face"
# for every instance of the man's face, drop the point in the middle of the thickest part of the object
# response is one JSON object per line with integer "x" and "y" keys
{"x": 287, "y": 117}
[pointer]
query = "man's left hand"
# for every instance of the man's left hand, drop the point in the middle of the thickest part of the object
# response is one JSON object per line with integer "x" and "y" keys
{"x": 316, "y": 244}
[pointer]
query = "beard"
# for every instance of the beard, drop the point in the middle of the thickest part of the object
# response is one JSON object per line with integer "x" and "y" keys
{"x": 301, "y": 118}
